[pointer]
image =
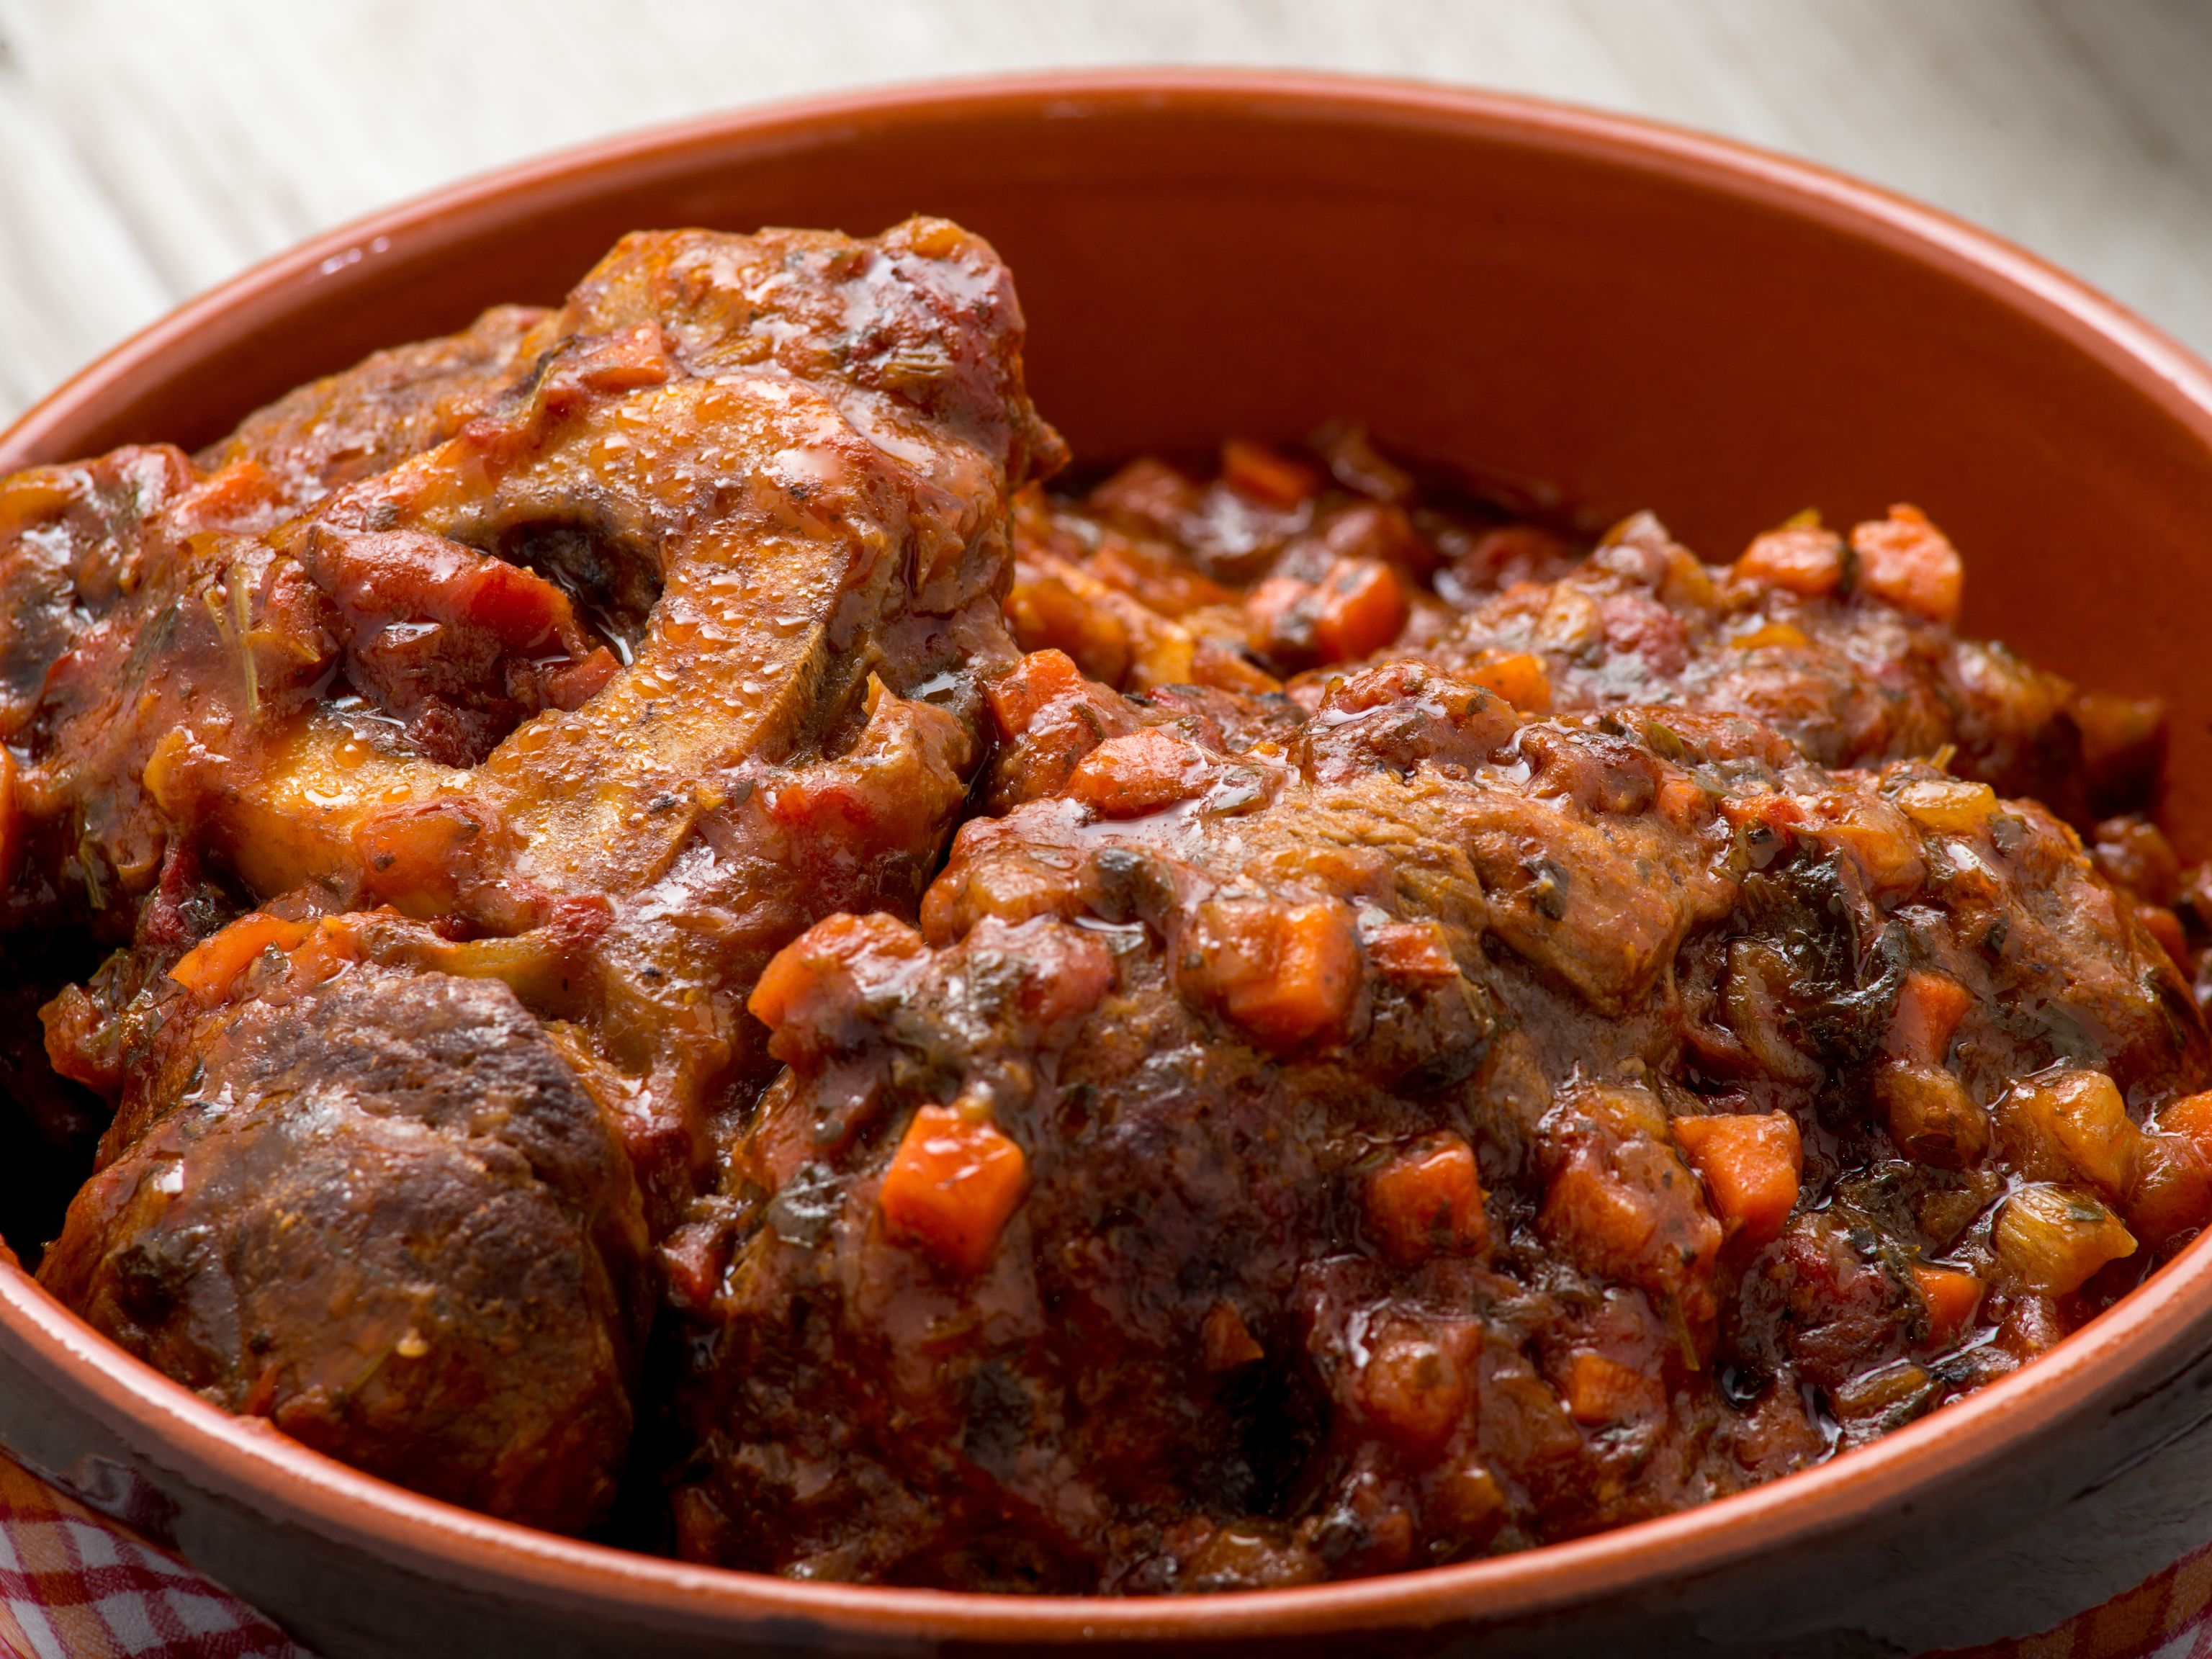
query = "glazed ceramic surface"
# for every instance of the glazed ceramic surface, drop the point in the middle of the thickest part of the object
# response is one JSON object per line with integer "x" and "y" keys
{"x": 1603, "y": 314}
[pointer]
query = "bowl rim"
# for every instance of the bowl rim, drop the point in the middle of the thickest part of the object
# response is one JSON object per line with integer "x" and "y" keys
{"x": 247, "y": 1460}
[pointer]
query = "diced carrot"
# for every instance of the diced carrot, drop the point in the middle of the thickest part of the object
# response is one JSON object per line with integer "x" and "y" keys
{"x": 1951, "y": 1299}
{"x": 2162, "y": 925}
{"x": 1750, "y": 1162}
{"x": 1907, "y": 561}
{"x": 1599, "y": 1390}
{"x": 1770, "y": 811}
{"x": 1414, "y": 1386}
{"x": 1046, "y": 613}
{"x": 1360, "y": 608}
{"x": 209, "y": 968}
{"x": 1427, "y": 1202}
{"x": 1411, "y": 952}
{"x": 1520, "y": 678}
{"x": 1141, "y": 773}
{"x": 2190, "y": 1117}
{"x": 1285, "y": 974}
{"x": 1041, "y": 677}
{"x": 1928, "y": 1009}
{"x": 1880, "y": 838}
{"x": 1798, "y": 558}
{"x": 1267, "y": 475}
{"x": 819, "y": 963}
{"x": 952, "y": 1185}
{"x": 1785, "y": 636}
{"x": 2169, "y": 1189}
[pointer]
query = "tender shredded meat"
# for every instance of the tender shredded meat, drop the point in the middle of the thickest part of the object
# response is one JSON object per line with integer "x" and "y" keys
{"x": 680, "y": 927}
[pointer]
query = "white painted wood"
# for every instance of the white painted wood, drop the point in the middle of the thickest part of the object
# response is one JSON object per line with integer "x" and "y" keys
{"x": 149, "y": 148}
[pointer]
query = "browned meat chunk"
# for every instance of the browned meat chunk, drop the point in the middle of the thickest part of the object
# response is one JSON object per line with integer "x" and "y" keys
{"x": 1422, "y": 1132}
{"x": 526, "y": 692}
{"x": 381, "y": 1210}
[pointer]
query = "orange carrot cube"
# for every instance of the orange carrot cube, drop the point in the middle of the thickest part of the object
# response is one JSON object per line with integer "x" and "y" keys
{"x": 1267, "y": 475}
{"x": 1427, "y": 1202}
{"x": 1750, "y": 1162}
{"x": 1951, "y": 1299}
{"x": 1039, "y": 679}
{"x": 1907, "y": 561}
{"x": 951, "y": 1187}
{"x": 1360, "y": 608}
{"x": 2190, "y": 1117}
{"x": 1798, "y": 558}
{"x": 1129, "y": 776}
{"x": 1928, "y": 1009}
{"x": 1599, "y": 1390}
{"x": 819, "y": 963}
{"x": 1285, "y": 974}
{"x": 1520, "y": 678}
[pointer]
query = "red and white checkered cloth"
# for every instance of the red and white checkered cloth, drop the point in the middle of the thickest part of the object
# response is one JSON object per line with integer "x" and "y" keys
{"x": 77, "y": 1585}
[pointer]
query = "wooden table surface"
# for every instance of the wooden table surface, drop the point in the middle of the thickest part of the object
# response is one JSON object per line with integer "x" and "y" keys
{"x": 150, "y": 148}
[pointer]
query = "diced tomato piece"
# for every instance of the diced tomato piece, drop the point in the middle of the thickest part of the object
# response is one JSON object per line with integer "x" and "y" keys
{"x": 1039, "y": 679}
{"x": 1951, "y": 1299}
{"x": 1928, "y": 1009}
{"x": 210, "y": 968}
{"x": 1359, "y": 609}
{"x": 1798, "y": 558}
{"x": 1907, "y": 561}
{"x": 1750, "y": 1162}
{"x": 1427, "y": 1202}
{"x": 952, "y": 1185}
{"x": 1141, "y": 773}
{"x": 1285, "y": 974}
{"x": 1599, "y": 1390}
{"x": 1067, "y": 969}
{"x": 1267, "y": 475}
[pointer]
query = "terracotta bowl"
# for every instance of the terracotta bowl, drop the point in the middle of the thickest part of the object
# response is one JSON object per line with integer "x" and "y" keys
{"x": 1616, "y": 314}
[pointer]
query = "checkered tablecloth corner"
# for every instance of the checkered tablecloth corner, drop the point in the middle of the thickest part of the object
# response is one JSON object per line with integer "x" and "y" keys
{"x": 77, "y": 1585}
